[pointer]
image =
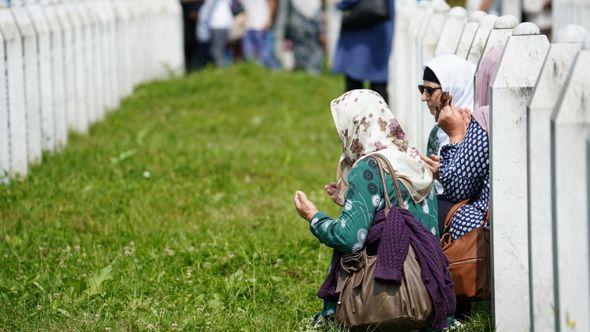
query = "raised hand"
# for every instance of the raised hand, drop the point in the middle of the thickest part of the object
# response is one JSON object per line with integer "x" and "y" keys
{"x": 304, "y": 206}
{"x": 332, "y": 191}
{"x": 452, "y": 121}
{"x": 433, "y": 163}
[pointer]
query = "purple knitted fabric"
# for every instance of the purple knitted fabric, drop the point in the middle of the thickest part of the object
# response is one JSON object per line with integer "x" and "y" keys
{"x": 392, "y": 240}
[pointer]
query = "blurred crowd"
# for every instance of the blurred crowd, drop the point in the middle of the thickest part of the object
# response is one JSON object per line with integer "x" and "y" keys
{"x": 274, "y": 33}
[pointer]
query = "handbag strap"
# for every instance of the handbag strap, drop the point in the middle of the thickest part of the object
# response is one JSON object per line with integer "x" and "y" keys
{"x": 456, "y": 208}
{"x": 382, "y": 162}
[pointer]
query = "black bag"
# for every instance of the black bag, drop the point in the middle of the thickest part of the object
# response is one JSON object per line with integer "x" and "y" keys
{"x": 364, "y": 14}
{"x": 236, "y": 7}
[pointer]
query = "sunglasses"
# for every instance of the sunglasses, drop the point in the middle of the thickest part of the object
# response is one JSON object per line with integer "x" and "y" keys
{"x": 428, "y": 89}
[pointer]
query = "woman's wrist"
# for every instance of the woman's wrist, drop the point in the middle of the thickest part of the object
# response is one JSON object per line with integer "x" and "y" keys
{"x": 310, "y": 214}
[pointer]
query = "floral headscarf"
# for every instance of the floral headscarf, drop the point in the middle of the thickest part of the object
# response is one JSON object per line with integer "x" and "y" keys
{"x": 366, "y": 126}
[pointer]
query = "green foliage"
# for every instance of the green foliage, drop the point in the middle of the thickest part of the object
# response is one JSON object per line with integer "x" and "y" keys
{"x": 176, "y": 212}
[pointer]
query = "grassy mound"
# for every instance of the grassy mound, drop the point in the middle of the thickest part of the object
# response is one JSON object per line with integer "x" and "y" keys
{"x": 176, "y": 211}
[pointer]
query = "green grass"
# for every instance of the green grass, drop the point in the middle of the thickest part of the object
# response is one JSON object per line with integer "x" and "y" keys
{"x": 176, "y": 211}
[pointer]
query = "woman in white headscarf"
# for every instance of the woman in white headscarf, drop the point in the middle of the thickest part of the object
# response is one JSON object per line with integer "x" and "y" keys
{"x": 367, "y": 127}
{"x": 448, "y": 79}
{"x": 446, "y": 73}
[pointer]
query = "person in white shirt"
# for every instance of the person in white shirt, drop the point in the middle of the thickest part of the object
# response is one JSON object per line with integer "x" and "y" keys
{"x": 259, "y": 20}
{"x": 218, "y": 18}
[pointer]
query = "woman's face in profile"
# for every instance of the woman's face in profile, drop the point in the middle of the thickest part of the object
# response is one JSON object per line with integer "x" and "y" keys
{"x": 431, "y": 94}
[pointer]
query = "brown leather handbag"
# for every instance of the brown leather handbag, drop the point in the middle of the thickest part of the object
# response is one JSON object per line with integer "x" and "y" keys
{"x": 469, "y": 258}
{"x": 367, "y": 303}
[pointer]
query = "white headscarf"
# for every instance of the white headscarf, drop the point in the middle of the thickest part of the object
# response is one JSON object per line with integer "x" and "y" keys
{"x": 455, "y": 75}
{"x": 366, "y": 126}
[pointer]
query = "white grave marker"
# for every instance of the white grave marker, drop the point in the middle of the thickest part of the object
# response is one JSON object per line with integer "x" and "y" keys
{"x": 481, "y": 37}
{"x": 48, "y": 132}
{"x": 451, "y": 31}
{"x": 4, "y": 130}
{"x": 570, "y": 129}
{"x": 511, "y": 90}
{"x": 556, "y": 69}
{"x": 70, "y": 102}
{"x": 57, "y": 75}
{"x": 31, "y": 76}
{"x": 469, "y": 33}
{"x": 17, "y": 120}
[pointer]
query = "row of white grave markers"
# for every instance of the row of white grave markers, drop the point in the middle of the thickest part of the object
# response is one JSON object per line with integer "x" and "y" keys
{"x": 539, "y": 166}
{"x": 64, "y": 64}
{"x": 540, "y": 150}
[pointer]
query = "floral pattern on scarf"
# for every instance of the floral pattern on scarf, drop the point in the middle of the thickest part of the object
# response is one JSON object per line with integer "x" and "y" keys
{"x": 366, "y": 126}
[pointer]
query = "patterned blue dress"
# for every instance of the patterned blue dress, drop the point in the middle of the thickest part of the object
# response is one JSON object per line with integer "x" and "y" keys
{"x": 464, "y": 173}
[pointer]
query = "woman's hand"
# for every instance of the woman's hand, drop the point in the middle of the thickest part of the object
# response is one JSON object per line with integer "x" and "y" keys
{"x": 433, "y": 164}
{"x": 453, "y": 122}
{"x": 332, "y": 191}
{"x": 304, "y": 206}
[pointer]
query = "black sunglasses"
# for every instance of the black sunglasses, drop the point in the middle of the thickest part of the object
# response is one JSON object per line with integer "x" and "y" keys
{"x": 428, "y": 89}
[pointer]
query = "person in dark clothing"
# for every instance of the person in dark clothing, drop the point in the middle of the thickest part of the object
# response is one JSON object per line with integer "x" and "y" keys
{"x": 196, "y": 54}
{"x": 363, "y": 54}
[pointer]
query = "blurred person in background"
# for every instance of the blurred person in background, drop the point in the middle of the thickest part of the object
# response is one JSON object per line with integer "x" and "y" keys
{"x": 195, "y": 53}
{"x": 299, "y": 26}
{"x": 362, "y": 54}
{"x": 257, "y": 40}
{"x": 215, "y": 21}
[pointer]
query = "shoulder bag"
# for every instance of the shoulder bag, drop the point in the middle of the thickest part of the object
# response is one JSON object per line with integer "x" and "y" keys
{"x": 469, "y": 258}
{"x": 365, "y": 13}
{"x": 367, "y": 303}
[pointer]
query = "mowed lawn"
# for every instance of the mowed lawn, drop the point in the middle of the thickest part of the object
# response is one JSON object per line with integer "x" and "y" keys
{"x": 176, "y": 213}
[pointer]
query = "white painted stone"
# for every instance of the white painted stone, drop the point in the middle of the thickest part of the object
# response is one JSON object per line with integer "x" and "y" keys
{"x": 555, "y": 70}
{"x": 90, "y": 63}
{"x": 48, "y": 131}
{"x": 526, "y": 29}
{"x": 430, "y": 35}
{"x": 16, "y": 99}
{"x": 70, "y": 102}
{"x": 57, "y": 75}
{"x": 571, "y": 127}
{"x": 451, "y": 31}
{"x": 480, "y": 39}
{"x": 31, "y": 83}
{"x": 97, "y": 59}
{"x": 421, "y": 16}
{"x": 400, "y": 88}
{"x": 4, "y": 130}
{"x": 469, "y": 33}
{"x": 124, "y": 53}
{"x": 570, "y": 34}
{"x": 512, "y": 89}
{"x": 78, "y": 64}
{"x": 111, "y": 45}
{"x": 499, "y": 35}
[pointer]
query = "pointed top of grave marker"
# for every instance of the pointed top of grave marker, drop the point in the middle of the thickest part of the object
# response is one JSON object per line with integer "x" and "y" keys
{"x": 440, "y": 6}
{"x": 458, "y": 12}
{"x": 488, "y": 21}
{"x": 506, "y": 22}
{"x": 526, "y": 29}
{"x": 570, "y": 34}
{"x": 477, "y": 16}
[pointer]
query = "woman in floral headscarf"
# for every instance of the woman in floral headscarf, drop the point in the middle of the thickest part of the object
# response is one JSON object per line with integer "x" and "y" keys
{"x": 367, "y": 127}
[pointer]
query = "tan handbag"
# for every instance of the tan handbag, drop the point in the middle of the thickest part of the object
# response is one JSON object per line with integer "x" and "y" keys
{"x": 367, "y": 303}
{"x": 469, "y": 258}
